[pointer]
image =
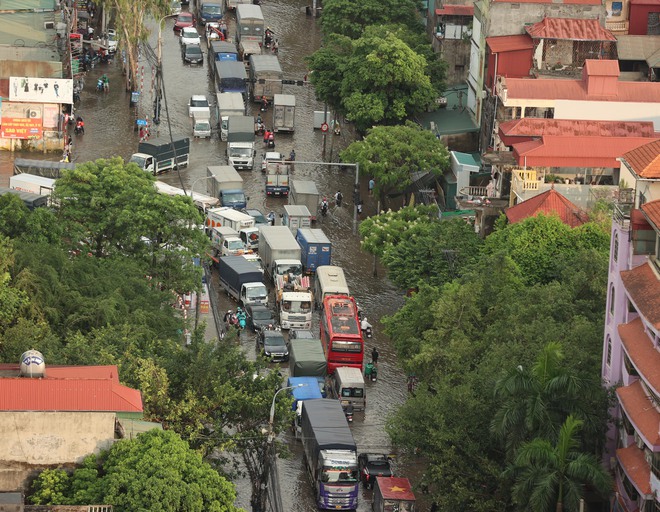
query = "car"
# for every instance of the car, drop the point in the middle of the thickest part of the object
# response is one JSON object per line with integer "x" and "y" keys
{"x": 192, "y": 54}
{"x": 302, "y": 334}
{"x": 259, "y": 218}
{"x": 189, "y": 35}
{"x": 111, "y": 40}
{"x": 273, "y": 345}
{"x": 184, "y": 19}
{"x": 198, "y": 104}
{"x": 258, "y": 317}
{"x": 175, "y": 7}
{"x": 372, "y": 465}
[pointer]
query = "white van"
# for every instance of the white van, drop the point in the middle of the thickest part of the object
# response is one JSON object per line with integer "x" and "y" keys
{"x": 347, "y": 385}
{"x": 329, "y": 280}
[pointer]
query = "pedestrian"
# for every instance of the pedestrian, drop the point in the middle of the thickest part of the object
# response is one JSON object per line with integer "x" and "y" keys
{"x": 359, "y": 207}
{"x": 374, "y": 355}
{"x": 372, "y": 184}
{"x": 227, "y": 317}
{"x": 338, "y": 198}
{"x": 292, "y": 155}
{"x": 266, "y": 135}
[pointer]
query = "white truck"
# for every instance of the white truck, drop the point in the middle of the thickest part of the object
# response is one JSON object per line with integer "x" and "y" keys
{"x": 240, "y": 142}
{"x": 201, "y": 201}
{"x": 279, "y": 251}
{"x": 284, "y": 113}
{"x": 201, "y": 124}
{"x": 294, "y": 301}
{"x": 230, "y": 5}
{"x": 33, "y": 184}
{"x": 162, "y": 154}
{"x": 228, "y": 104}
{"x": 242, "y": 223}
{"x": 226, "y": 242}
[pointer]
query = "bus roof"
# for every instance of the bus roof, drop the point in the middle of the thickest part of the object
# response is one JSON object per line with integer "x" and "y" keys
{"x": 341, "y": 313}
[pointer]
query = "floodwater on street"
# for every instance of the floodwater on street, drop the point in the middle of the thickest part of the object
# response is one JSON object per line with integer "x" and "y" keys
{"x": 110, "y": 131}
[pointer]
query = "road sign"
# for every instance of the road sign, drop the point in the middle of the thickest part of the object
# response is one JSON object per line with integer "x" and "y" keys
{"x": 324, "y": 127}
{"x": 142, "y": 122}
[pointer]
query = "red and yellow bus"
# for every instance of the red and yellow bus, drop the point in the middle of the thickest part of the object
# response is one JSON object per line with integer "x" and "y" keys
{"x": 340, "y": 333}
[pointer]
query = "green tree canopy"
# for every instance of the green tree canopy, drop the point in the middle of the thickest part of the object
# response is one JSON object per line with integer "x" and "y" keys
{"x": 391, "y": 154}
{"x": 350, "y": 19}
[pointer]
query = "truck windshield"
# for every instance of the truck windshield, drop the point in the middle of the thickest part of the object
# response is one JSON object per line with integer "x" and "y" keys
{"x": 258, "y": 292}
{"x": 296, "y": 306}
{"x": 138, "y": 160}
{"x": 288, "y": 268}
{"x": 211, "y": 9}
{"x": 339, "y": 476}
{"x": 237, "y": 197}
{"x": 199, "y": 103}
{"x": 235, "y": 245}
{"x": 240, "y": 152}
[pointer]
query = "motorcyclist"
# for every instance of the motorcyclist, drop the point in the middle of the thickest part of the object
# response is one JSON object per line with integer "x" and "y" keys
{"x": 324, "y": 206}
{"x": 80, "y": 125}
{"x": 268, "y": 36}
{"x": 227, "y": 317}
{"x": 266, "y": 135}
{"x": 271, "y": 218}
{"x": 241, "y": 317}
{"x": 271, "y": 140}
{"x": 264, "y": 103}
{"x": 106, "y": 83}
{"x": 364, "y": 324}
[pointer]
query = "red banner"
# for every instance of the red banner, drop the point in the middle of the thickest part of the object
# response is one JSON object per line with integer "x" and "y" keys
{"x": 21, "y": 128}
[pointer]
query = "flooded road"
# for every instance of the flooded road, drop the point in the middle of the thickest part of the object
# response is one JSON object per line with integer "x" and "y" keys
{"x": 110, "y": 131}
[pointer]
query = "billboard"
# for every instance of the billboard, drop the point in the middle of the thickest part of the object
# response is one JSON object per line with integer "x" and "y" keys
{"x": 21, "y": 128}
{"x": 41, "y": 90}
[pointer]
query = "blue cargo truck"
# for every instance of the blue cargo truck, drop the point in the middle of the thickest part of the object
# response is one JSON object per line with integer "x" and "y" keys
{"x": 330, "y": 454}
{"x": 316, "y": 248}
{"x": 306, "y": 388}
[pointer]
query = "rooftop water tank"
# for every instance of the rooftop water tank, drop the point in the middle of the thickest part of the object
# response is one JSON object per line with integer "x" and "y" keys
{"x": 33, "y": 364}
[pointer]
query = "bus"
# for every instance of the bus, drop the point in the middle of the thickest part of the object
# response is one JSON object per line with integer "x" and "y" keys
{"x": 340, "y": 333}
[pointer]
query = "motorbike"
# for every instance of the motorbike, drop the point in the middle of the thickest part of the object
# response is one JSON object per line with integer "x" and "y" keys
{"x": 99, "y": 85}
{"x": 371, "y": 371}
{"x": 79, "y": 130}
{"x": 241, "y": 320}
{"x": 367, "y": 330}
{"x": 270, "y": 143}
{"x": 348, "y": 412}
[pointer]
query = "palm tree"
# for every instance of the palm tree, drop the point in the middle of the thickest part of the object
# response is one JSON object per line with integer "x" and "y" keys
{"x": 548, "y": 476}
{"x": 536, "y": 401}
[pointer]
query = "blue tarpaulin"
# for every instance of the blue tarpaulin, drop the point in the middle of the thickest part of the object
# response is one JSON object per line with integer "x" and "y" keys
{"x": 307, "y": 392}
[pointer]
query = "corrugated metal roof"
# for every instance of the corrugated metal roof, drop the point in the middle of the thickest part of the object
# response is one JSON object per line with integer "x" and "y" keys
{"x": 569, "y": 29}
{"x": 630, "y": 47}
{"x": 645, "y": 160}
{"x": 501, "y": 44}
{"x": 549, "y": 202}
{"x": 537, "y": 127}
{"x": 455, "y": 10}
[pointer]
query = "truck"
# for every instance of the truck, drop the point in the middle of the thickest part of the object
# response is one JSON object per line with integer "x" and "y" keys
{"x": 222, "y": 50}
{"x": 265, "y": 77}
{"x": 294, "y": 301}
{"x": 33, "y": 184}
{"x": 227, "y": 185}
{"x": 277, "y": 174}
{"x": 161, "y": 154}
{"x": 231, "y": 5}
{"x": 302, "y": 388}
{"x": 304, "y": 192}
{"x": 246, "y": 49}
{"x": 242, "y": 280}
{"x": 209, "y": 12}
{"x": 226, "y": 242}
{"x": 201, "y": 124}
{"x": 393, "y": 493}
{"x": 330, "y": 454}
{"x": 249, "y": 23}
{"x": 201, "y": 201}
{"x": 296, "y": 216}
{"x": 46, "y": 168}
{"x": 279, "y": 251}
{"x": 284, "y": 112}
{"x": 240, "y": 142}
{"x": 230, "y": 76}
{"x": 228, "y": 104}
{"x": 30, "y": 200}
{"x": 306, "y": 359}
{"x": 316, "y": 248}
{"x": 229, "y": 217}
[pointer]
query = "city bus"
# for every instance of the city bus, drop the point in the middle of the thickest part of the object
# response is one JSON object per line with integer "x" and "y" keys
{"x": 340, "y": 333}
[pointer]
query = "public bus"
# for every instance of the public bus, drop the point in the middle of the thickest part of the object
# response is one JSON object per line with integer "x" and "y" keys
{"x": 340, "y": 333}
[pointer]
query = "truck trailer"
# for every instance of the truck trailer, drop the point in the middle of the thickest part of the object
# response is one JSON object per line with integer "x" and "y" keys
{"x": 316, "y": 248}
{"x": 279, "y": 251}
{"x": 284, "y": 113}
{"x": 242, "y": 280}
{"x": 304, "y": 192}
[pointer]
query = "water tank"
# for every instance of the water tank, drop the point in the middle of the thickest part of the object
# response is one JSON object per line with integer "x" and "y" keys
{"x": 33, "y": 364}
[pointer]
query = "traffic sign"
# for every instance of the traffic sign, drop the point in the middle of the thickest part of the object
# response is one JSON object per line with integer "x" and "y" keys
{"x": 142, "y": 122}
{"x": 324, "y": 127}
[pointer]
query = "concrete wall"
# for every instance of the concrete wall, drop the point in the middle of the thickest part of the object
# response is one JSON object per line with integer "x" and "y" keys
{"x": 456, "y": 52}
{"x": 37, "y": 439}
{"x": 608, "y": 111}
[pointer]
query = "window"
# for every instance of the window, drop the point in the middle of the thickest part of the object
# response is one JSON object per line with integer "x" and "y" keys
{"x": 612, "y": 295}
{"x": 608, "y": 361}
{"x": 626, "y": 424}
{"x": 643, "y": 241}
{"x": 632, "y": 371}
{"x": 630, "y": 488}
{"x": 615, "y": 248}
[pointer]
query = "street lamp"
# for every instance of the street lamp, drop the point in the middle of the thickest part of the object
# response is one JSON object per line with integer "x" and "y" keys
{"x": 159, "y": 56}
{"x": 272, "y": 410}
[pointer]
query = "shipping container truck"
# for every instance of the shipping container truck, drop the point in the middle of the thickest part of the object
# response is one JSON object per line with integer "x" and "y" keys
{"x": 242, "y": 280}
{"x": 304, "y": 192}
{"x": 249, "y": 23}
{"x": 34, "y": 184}
{"x": 228, "y": 104}
{"x": 227, "y": 185}
{"x": 330, "y": 454}
{"x": 316, "y": 248}
{"x": 277, "y": 174}
{"x": 296, "y": 216}
{"x": 240, "y": 142}
{"x": 265, "y": 77}
{"x": 161, "y": 154}
{"x": 279, "y": 251}
{"x": 284, "y": 113}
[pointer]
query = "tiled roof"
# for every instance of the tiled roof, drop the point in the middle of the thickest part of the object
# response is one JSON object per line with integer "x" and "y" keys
{"x": 641, "y": 352}
{"x": 569, "y": 29}
{"x": 652, "y": 212}
{"x": 455, "y": 10}
{"x": 584, "y": 152}
{"x": 500, "y": 44}
{"x": 602, "y": 67}
{"x": 643, "y": 288}
{"x": 67, "y": 388}
{"x": 560, "y": 89}
{"x": 565, "y": 2}
{"x": 644, "y": 161}
{"x": 536, "y": 127}
{"x": 549, "y": 202}
{"x": 641, "y": 412}
{"x": 635, "y": 467}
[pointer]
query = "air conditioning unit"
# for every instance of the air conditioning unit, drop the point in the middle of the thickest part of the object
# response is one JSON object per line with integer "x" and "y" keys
{"x": 33, "y": 113}
{"x": 49, "y": 25}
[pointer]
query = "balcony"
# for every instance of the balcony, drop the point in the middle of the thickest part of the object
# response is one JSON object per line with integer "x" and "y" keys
{"x": 621, "y": 214}
{"x": 617, "y": 27}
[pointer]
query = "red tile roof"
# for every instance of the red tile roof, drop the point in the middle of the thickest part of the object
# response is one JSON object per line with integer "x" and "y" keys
{"x": 652, "y": 212}
{"x": 641, "y": 352}
{"x": 569, "y": 29}
{"x": 644, "y": 161}
{"x": 549, "y": 202}
{"x": 634, "y": 465}
{"x": 583, "y": 152}
{"x": 509, "y": 43}
{"x": 68, "y": 388}
{"x": 643, "y": 287}
{"x": 641, "y": 412}
{"x": 565, "y": 2}
{"x": 602, "y": 67}
{"x": 455, "y": 10}
{"x": 536, "y": 127}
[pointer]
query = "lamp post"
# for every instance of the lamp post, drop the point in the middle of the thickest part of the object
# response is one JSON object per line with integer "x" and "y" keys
{"x": 159, "y": 56}
{"x": 271, "y": 418}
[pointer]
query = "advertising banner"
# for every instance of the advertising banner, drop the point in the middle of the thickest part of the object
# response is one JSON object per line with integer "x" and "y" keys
{"x": 21, "y": 128}
{"x": 41, "y": 90}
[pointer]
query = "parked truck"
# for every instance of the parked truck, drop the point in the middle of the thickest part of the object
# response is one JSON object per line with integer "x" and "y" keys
{"x": 249, "y": 23}
{"x": 284, "y": 113}
{"x": 330, "y": 454}
{"x": 305, "y": 193}
{"x": 277, "y": 174}
{"x": 230, "y": 76}
{"x": 240, "y": 142}
{"x": 316, "y": 248}
{"x": 33, "y": 184}
{"x": 228, "y": 104}
{"x": 279, "y": 251}
{"x": 227, "y": 185}
{"x": 242, "y": 280}
{"x": 160, "y": 154}
{"x": 265, "y": 77}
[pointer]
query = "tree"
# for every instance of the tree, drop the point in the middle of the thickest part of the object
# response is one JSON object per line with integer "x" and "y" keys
{"x": 391, "y": 154}
{"x": 328, "y": 64}
{"x": 350, "y": 19}
{"x": 551, "y": 476}
{"x": 156, "y": 471}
